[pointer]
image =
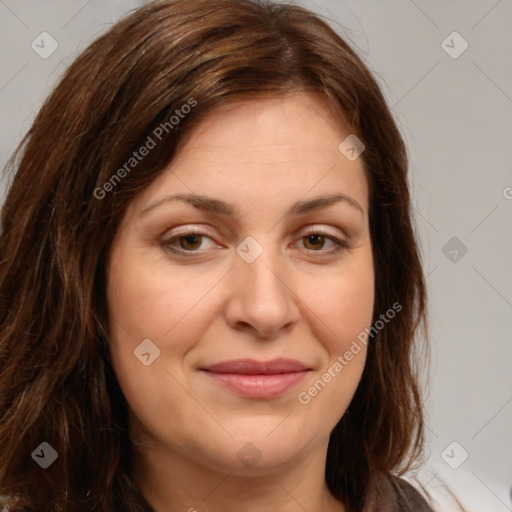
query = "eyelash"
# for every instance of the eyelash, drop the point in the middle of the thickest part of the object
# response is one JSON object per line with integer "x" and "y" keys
{"x": 166, "y": 243}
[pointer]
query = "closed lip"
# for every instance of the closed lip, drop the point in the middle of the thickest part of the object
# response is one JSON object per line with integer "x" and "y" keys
{"x": 255, "y": 367}
{"x": 254, "y": 379}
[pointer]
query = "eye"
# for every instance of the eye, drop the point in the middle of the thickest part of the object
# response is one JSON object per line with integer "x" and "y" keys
{"x": 316, "y": 242}
{"x": 189, "y": 240}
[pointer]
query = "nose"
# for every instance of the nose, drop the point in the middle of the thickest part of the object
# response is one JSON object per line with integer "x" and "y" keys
{"x": 261, "y": 298}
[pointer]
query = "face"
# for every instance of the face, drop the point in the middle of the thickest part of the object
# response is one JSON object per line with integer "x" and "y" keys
{"x": 254, "y": 269}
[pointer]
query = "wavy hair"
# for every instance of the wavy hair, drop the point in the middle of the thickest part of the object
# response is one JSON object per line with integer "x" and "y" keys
{"x": 56, "y": 379}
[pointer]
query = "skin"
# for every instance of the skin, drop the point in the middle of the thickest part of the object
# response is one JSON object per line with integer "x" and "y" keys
{"x": 295, "y": 300}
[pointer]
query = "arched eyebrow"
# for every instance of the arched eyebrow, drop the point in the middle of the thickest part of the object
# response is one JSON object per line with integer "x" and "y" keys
{"x": 216, "y": 206}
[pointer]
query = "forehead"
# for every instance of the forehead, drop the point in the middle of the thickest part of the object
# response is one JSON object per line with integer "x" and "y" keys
{"x": 284, "y": 148}
{"x": 297, "y": 120}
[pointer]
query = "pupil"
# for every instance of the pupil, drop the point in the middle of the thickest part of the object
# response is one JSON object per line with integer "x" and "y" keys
{"x": 190, "y": 239}
{"x": 314, "y": 239}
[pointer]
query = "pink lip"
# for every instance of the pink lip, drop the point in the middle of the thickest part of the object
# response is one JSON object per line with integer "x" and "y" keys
{"x": 258, "y": 379}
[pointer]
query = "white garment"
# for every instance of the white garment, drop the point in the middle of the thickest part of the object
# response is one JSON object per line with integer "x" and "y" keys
{"x": 475, "y": 492}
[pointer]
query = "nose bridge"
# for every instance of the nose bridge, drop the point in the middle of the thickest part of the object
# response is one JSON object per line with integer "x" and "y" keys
{"x": 259, "y": 294}
{"x": 259, "y": 266}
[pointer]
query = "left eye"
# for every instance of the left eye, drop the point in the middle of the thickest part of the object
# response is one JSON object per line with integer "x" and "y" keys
{"x": 315, "y": 238}
{"x": 190, "y": 242}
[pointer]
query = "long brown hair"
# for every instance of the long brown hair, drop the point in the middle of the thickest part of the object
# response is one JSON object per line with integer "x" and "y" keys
{"x": 59, "y": 219}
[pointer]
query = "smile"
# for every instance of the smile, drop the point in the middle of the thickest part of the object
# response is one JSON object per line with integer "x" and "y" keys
{"x": 257, "y": 379}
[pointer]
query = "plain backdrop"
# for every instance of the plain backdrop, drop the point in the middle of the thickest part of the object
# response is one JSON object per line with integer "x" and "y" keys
{"x": 445, "y": 69}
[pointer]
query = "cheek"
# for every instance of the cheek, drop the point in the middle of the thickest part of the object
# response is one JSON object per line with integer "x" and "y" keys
{"x": 148, "y": 302}
{"x": 345, "y": 302}
{"x": 151, "y": 300}
{"x": 344, "y": 308}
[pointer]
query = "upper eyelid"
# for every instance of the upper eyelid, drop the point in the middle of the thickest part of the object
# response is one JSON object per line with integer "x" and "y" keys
{"x": 311, "y": 229}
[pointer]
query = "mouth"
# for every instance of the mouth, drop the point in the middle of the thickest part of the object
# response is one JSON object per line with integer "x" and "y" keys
{"x": 257, "y": 379}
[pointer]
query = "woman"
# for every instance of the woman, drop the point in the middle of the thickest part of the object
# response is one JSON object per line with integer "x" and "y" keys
{"x": 143, "y": 371}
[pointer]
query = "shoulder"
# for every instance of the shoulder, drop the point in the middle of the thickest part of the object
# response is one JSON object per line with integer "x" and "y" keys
{"x": 461, "y": 490}
{"x": 409, "y": 498}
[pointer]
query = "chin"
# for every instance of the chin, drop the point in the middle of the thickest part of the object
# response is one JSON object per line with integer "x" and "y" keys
{"x": 252, "y": 454}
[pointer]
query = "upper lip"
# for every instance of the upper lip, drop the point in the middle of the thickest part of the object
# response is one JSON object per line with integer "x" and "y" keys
{"x": 254, "y": 367}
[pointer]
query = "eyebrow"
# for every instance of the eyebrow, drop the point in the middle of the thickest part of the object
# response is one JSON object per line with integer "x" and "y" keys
{"x": 216, "y": 206}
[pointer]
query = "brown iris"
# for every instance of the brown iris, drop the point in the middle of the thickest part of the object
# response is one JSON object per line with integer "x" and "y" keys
{"x": 315, "y": 240}
{"x": 191, "y": 239}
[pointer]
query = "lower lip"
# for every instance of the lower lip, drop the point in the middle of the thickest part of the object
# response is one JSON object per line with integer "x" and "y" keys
{"x": 258, "y": 386}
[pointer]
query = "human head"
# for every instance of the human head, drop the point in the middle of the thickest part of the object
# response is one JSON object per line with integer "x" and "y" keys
{"x": 116, "y": 94}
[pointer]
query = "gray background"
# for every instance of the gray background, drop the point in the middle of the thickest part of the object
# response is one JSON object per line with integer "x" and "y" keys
{"x": 456, "y": 117}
